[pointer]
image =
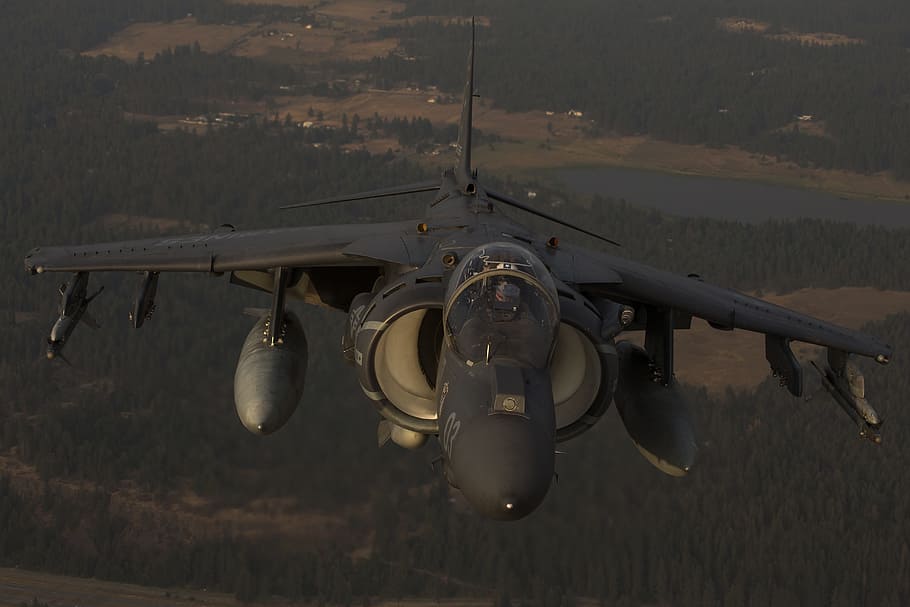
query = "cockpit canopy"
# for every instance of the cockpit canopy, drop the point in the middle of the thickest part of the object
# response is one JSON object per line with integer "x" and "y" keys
{"x": 502, "y": 303}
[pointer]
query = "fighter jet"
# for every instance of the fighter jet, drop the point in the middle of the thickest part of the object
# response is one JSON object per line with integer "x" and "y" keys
{"x": 467, "y": 327}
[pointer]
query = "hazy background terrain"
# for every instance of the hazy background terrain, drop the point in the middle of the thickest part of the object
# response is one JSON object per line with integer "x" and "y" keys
{"x": 132, "y": 466}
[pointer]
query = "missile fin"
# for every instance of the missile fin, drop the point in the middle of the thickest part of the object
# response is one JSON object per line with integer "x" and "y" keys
{"x": 88, "y": 319}
{"x": 383, "y": 432}
{"x": 96, "y": 294}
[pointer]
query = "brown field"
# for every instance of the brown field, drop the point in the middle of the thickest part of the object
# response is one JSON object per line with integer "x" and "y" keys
{"x": 818, "y": 38}
{"x": 289, "y": 43}
{"x": 407, "y": 103}
{"x": 283, "y": 521}
{"x": 741, "y": 24}
{"x": 295, "y": 44}
{"x": 18, "y": 586}
{"x": 184, "y": 515}
{"x": 343, "y": 29}
{"x": 291, "y": 36}
{"x": 150, "y": 38}
{"x": 530, "y": 147}
{"x": 717, "y": 359}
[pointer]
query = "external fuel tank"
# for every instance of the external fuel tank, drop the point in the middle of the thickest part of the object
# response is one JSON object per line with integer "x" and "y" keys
{"x": 655, "y": 416}
{"x": 268, "y": 383}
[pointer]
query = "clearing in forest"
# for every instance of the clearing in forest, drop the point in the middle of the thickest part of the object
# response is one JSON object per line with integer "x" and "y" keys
{"x": 150, "y": 38}
{"x": 281, "y": 42}
{"x": 338, "y": 30}
{"x": 743, "y": 24}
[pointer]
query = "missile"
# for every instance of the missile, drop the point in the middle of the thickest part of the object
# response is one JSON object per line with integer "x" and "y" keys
{"x": 144, "y": 302}
{"x": 846, "y": 384}
{"x": 73, "y": 308}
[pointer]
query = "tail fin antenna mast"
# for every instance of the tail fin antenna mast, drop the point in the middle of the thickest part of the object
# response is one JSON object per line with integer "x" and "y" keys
{"x": 463, "y": 169}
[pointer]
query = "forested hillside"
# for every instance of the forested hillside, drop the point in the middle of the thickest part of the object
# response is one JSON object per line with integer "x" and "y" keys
{"x": 672, "y": 71}
{"x": 131, "y": 465}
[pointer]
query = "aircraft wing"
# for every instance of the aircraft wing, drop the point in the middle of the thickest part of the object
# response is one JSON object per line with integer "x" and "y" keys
{"x": 226, "y": 250}
{"x": 722, "y": 308}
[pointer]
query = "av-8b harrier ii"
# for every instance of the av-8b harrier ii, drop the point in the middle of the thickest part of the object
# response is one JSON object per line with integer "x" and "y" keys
{"x": 468, "y": 327}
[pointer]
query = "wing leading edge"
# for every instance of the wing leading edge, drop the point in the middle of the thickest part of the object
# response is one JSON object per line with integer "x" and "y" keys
{"x": 725, "y": 308}
{"x": 220, "y": 251}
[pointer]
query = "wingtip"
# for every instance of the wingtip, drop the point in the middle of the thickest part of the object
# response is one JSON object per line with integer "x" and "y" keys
{"x": 31, "y": 265}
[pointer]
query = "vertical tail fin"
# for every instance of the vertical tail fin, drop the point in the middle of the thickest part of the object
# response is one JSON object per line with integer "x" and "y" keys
{"x": 464, "y": 129}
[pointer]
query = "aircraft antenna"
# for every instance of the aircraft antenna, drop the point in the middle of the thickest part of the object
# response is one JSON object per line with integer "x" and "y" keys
{"x": 529, "y": 209}
{"x": 413, "y": 188}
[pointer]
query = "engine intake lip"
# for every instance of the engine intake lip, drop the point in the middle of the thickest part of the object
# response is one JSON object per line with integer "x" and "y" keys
{"x": 388, "y": 308}
{"x": 581, "y": 318}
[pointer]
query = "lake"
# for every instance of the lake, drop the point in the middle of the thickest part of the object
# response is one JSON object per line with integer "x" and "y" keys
{"x": 732, "y": 199}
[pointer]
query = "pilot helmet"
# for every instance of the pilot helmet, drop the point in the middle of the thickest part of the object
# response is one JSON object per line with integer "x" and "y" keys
{"x": 506, "y": 299}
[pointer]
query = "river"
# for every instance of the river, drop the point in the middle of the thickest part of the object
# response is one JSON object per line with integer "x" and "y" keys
{"x": 732, "y": 199}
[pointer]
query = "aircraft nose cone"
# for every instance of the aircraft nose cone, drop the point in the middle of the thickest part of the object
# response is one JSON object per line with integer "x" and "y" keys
{"x": 504, "y": 466}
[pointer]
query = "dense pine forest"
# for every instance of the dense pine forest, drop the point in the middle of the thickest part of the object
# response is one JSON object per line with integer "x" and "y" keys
{"x": 786, "y": 506}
